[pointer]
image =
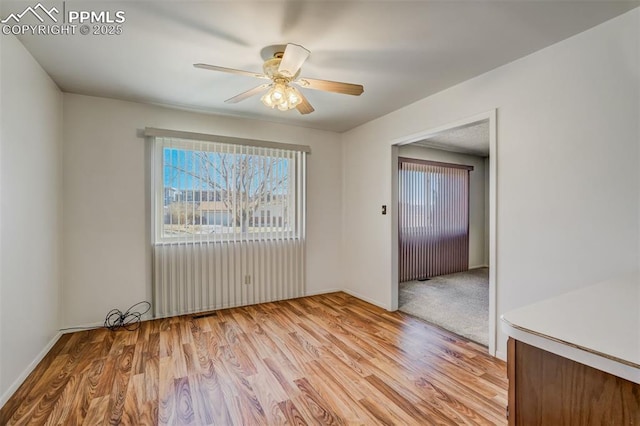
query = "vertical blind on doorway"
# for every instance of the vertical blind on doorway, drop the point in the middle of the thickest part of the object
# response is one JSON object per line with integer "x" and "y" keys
{"x": 433, "y": 218}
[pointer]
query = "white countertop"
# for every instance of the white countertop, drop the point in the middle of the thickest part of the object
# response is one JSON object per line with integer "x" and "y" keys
{"x": 597, "y": 325}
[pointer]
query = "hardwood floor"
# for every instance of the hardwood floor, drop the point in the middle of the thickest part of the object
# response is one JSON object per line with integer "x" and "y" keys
{"x": 328, "y": 359}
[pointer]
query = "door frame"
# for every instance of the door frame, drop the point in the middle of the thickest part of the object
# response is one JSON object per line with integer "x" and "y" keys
{"x": 491, "y": 116}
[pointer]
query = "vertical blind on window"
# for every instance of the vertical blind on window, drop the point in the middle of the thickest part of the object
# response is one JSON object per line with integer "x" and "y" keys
{"x": 229, "y": 225}
{"x": 433, "y": 218}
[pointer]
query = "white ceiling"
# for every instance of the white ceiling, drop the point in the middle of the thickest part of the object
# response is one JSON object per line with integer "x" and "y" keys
{"x": 469, "y": 139}
{"x": 400, "y": 51}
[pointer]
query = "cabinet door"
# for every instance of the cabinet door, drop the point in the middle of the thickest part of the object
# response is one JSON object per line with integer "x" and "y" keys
{"x": 547, "y": 389}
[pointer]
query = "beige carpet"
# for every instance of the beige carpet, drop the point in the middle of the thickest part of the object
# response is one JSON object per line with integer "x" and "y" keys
{"x": 457, "y": 302}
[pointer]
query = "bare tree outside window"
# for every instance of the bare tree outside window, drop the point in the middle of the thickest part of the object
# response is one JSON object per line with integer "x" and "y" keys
{"x": 218, "y": 192}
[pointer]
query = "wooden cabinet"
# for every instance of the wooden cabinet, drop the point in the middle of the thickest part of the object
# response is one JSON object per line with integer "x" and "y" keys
{"x": 548, "y": 389}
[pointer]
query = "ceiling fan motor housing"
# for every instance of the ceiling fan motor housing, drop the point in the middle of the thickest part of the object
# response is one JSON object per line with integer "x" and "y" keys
{"x": 271, "y": 66}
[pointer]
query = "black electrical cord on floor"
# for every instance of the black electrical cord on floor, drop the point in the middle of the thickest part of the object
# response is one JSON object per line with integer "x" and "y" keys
{"x": 129, "y": 320}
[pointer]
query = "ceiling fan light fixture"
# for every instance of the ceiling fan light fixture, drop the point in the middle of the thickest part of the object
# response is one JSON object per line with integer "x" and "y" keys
{"x": 283, "y": 106}
{"x": 282, "y": 96}
{"x": 278, "y": 92}
{"x": 293, "y": 96}
{"x": 267, "y": 100}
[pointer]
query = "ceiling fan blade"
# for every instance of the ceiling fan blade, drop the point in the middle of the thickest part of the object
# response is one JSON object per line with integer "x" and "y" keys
{"x": 244, "y": 95}
{"x": 293, "y": 58}
{"x": 304, "y": 107}
{"x": 331, "y": 86}
{"x": 230, "y": 70}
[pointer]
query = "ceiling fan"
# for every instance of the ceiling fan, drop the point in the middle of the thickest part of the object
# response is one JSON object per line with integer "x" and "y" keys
{"x": 282, "y": 66}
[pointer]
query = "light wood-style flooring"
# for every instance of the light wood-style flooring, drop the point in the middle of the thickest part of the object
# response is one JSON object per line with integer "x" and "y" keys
{"x": 328, "y": 359}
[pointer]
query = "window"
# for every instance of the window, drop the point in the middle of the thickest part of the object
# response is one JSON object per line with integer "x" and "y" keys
{"x": 229, "y": 221}
{"x": 210, "y": 191}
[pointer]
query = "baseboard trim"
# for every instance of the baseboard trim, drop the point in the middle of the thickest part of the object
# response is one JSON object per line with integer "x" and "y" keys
{"x": 81, "y": 327}
{"x": 478, "y": 266}
{"x": 325, "y": 291}
{"x": 366, "y": 299}
{"x": 501, "y": 355}
{"x": 22, "y": 377}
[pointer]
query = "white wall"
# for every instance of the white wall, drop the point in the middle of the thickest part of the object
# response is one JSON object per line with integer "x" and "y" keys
{"x": 107, "y": 261}
{"x": 567, "y": 168}
{"x": 477, "y": 220}
{"x": 30, "y": 213}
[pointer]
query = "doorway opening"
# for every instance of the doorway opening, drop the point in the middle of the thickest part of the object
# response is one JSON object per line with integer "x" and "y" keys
{"x": 444, "y": 188}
